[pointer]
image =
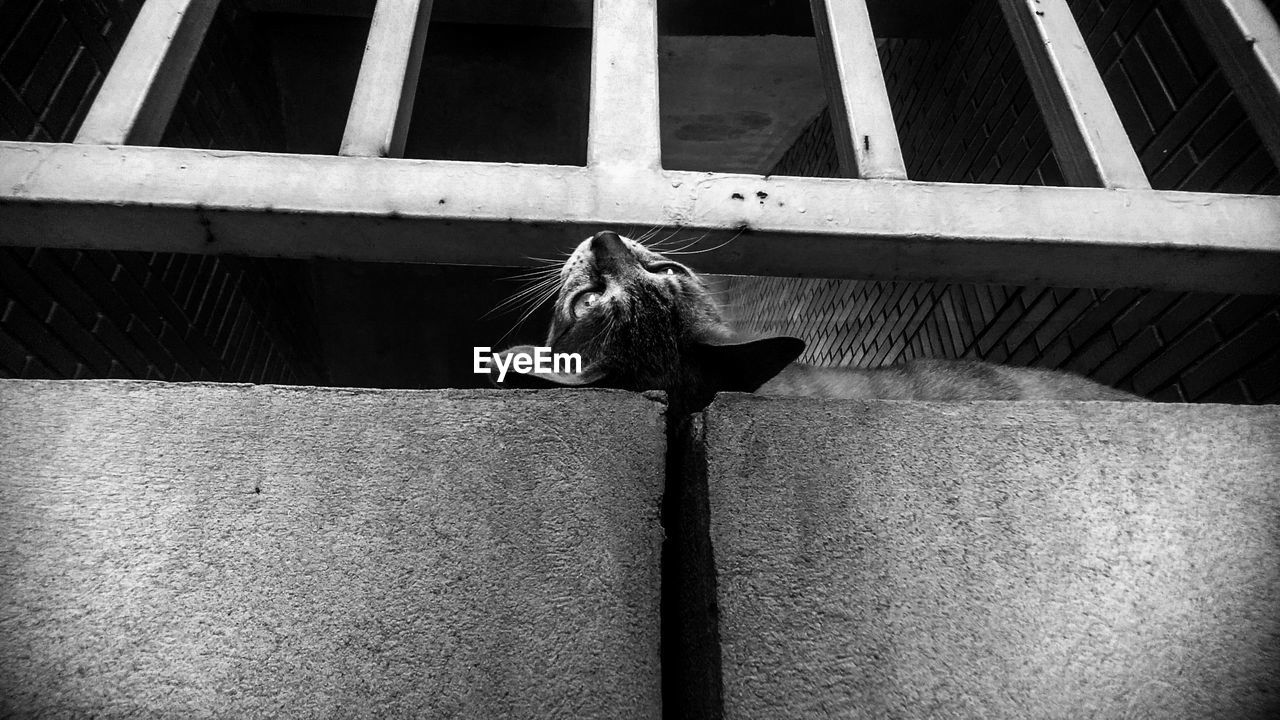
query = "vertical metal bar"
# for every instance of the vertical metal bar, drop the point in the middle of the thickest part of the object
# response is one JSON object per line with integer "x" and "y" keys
{"x": 866, "y": 138}
{"x": 1245, "y": 39}
{"x": 624, "y": 127}
{"x": 388, "y": 82}
{"x": 1090, "y": 141}
{"x": 137, "y": 98}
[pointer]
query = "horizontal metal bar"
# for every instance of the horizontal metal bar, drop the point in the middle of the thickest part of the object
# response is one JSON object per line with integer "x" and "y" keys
{"x": 383, "y": 100}
{"x": 866, "y": 138}
{"x": 1089, "y": 140}
{"x": 624, "y": 123}
{"x": 201, "y": 201}
{"x": 1245, "y": 39}
{"x": 137, "y": 98}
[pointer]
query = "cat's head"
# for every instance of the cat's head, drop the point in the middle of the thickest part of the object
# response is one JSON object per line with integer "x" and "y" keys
{"x": 642, "y": 321}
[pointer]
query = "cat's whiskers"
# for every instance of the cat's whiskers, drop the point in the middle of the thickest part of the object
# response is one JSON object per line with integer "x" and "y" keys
{"x": 685, "y": 251}
{"x": 544, "y": 267}
{"x": 610, "y": 324}
{"x": 534, "y": 302}
{"x": 536, "y": 274}
{"x": 533, "y": 307}
{"x": 603, "y": 335}
{"x": 537, "y": 294}
{"x": 687, "y": 244}
{"x": 657, "y": 245}
{"x": 539, "y": 290}
{"x": 643, "y": 239}
{"x": 537, "y": 279}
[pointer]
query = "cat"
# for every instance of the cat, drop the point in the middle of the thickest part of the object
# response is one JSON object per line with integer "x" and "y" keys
{"x": 642, "y": 321}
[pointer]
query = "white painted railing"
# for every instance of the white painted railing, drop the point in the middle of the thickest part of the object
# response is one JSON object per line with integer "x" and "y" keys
{"x": 388, "y": 82}
{"x": 866, "y": 139}
{"x": 112, "y": 190}
{"x": 1088, "y": 139}
{"x": 135, "y": 101}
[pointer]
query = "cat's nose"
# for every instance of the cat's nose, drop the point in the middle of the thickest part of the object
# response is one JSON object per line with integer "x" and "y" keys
{"x": 608, "y": 242}
{"x": 610, "y": 253}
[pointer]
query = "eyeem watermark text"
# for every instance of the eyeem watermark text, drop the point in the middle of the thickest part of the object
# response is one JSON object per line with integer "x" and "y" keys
{"x": 540, "y": 362}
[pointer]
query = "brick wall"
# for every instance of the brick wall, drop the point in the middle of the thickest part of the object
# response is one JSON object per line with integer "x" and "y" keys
{"x": 53, "y": 56}
{"x": 966, "y": 114}
{"x": 73, "y": 314}
{"x": 230, "y": 101}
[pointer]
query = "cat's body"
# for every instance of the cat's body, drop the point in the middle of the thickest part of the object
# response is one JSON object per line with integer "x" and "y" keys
{"x": 642, "y": 321}
{"x": 941, "y": 380}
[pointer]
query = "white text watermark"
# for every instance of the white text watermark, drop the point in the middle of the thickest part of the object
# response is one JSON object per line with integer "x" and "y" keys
{"x": 541, "y": 361}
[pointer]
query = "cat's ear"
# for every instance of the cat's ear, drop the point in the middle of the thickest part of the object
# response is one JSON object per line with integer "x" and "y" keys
{"x": 744, "y": 366}
{"x": 588, "y": 377}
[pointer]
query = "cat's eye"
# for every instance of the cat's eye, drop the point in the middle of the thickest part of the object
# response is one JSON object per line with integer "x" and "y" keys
{"x": 668, "y": 269}
{"x": 584, "y": 302}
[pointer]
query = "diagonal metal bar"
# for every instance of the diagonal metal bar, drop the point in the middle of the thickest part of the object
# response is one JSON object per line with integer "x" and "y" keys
{"x": 1245, "y": 39}
{"x": 137, "y": 98}
{"x": 388, "y": 82}
{"x": 866, "y": 138}
{"x": 1091, "y": 144}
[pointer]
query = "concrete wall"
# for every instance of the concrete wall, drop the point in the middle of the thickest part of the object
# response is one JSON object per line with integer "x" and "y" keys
{"x": 255, "y": 551}
{"x": 995, "y": 560}
{"x": 239, "y": 551}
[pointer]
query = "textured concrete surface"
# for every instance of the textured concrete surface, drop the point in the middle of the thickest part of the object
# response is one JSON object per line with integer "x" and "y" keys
{"x": 237, "y": 551}
{"x": 996, "y": 560}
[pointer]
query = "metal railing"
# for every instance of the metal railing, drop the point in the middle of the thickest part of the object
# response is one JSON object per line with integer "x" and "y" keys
{"x": 113, "y": 189}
